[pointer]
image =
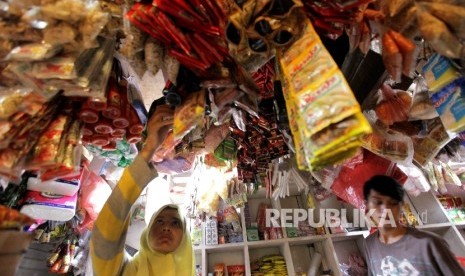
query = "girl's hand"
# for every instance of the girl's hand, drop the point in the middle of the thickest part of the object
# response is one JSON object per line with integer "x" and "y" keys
{"x": 158, "y": 127}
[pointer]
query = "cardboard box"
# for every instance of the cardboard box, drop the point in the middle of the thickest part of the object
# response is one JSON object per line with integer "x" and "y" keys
{"x": 13, "y": 245}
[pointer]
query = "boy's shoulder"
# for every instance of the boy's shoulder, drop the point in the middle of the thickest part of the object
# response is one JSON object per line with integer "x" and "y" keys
{"x": 412, "y": 233}
{"x": 424, "y": 235}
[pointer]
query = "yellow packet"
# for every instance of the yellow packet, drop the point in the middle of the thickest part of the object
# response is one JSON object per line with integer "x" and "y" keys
{"x": 325, "y": 103}
{"x": 309, "y": 36}
{"x": 439, "y": 72}
{"x": 318, "y": 97}
{"x": 356, "y": 131}
{"x": 310, "y": 68}
{"x": 189, "y": 115}
{"x": 294, "y": 127}
{"x": 341, "y": 153}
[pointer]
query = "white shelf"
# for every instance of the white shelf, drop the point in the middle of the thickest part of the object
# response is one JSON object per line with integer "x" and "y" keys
{"x": 266, "y": 243}
{"x": 223, "y": 247}
{"x": 335, "y": 248}
{"x": 306, "y": 240}
{"x": 434, "y": 226}
{"x": 349, "y": 235}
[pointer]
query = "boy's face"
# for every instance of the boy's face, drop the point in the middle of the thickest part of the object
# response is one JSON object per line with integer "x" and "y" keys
{"x": 166, "y": 232}
{"x": 385, "y": 211}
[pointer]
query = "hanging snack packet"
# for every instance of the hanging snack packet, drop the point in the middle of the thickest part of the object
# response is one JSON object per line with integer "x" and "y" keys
{"x": 394, "y": 105}
{"x": 396, "y": 147}
{"x": 428, "y": 146}
{"x": 69, "y": 155}
{"x": 452, "y": 15}
{"x": 439, "y": 72}
{"x": 33, "y": 52}
{"x": 11, "y": 218}
{"x": 438, "y": 35}
{"x": 46, "y": 149}
{"x": 422, "y": 107}
{"x": 189, "y": 115}
{"x": 450, "y": 104}
{"x": 328, "y": 118}
{"x": 55, "y": 68}
{"x": 11, "y": 100}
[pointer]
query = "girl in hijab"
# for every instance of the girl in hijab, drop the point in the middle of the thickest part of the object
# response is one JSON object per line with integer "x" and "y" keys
{"x": 165, "y": 246}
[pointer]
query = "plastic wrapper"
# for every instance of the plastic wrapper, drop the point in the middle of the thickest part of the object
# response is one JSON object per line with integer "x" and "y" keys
{"x": 422, "y": 107}
{"x": 174, "y": 165}
{"x": 437, "y": 169}
{"x": 452, "y": 14}
{"x": 355, "y": 267}
{"x": 92, "y": 25}
{"x": 449, "y": 176}
{"x": 189, "y": 115}
{"x": 154, "y": 53}
{"x": 69, "y": 155}
{"x": 94, "y": 192}
{"x": 399, "y": 15}
{"x": 349, "y": 183}
{"x": 166, "y": 149}
{"x": 429, "y": 169}
{"x": 254, "y": 31}
{"x": 394, "y": 146}
{"x": 22, "y": 137}
{"x": 213, "y": 137}
{"x": 416, "y": 178}
{"x": 66, "y": 10}
{"x": 427, "y": 146}
{"x": 438, "y": 35}
{"x": 450, "y": 104}
{"x": 55, "y": 68}
{"x": 408, "y": 52}
{"x": 392, "y": 57}
{"x": 171, "y": 66}
{"x": 197, "y": 45}
{"x": 16, "y": 99}
{"x": 46, "y": 149}
{"x": 33, "y": 52}
{"x": 437, "y": 79}
{"x": 19, "y": 31}
{"x": 97, "y": 62}
{"x": 12, "y": 219}
{"x": 320, "y": 103}
{"x": 394, "y": 105}
{"x": 61, "y": 33}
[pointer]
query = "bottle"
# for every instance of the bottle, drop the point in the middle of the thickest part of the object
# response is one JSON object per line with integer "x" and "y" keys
{"x": 172, "y": 96}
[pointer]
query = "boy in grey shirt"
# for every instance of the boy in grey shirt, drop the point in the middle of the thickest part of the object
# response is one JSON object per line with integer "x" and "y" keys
{"x": 398, "y": 250}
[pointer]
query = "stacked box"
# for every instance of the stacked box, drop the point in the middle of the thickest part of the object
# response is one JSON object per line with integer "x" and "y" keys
{"x": 211, "y": 231}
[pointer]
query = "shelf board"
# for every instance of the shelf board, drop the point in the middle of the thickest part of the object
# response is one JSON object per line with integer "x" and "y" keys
{"x": 349, "y": 235}
{"x": 265, "y": 243}
{"x": 223, "y": 247}
{"x": 435, "y": 225}
{"x": 306, "y": 240}
{"x": 460, "y": 225}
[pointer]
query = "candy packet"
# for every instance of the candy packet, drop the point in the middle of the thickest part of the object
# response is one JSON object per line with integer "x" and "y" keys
{"x": 393, "y": 105}
{"x": 33, "y": 52}
{"x": 189, "y": 115}
{"x": 450, "y": 104}
{"x": 427, "y": 146}
{"x": 392, "y": 145}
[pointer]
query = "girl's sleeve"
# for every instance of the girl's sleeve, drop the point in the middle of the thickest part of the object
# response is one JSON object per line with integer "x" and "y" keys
{"x": 110, "y": 228}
